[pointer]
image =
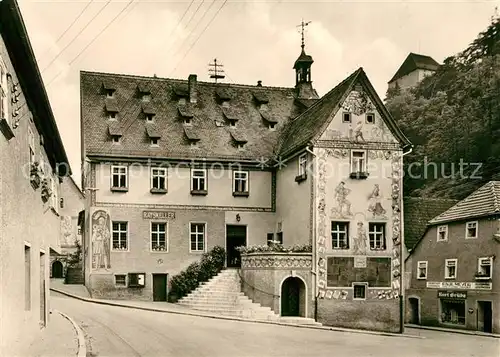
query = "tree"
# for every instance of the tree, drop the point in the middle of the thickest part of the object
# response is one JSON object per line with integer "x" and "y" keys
{"x": 74, "y": 259}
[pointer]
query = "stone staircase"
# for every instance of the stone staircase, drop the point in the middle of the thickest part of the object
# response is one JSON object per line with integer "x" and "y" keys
{"x": 222, "y": 295}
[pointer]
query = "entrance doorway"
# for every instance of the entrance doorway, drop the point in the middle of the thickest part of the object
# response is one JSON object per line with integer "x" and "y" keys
{"x": 159, "y": 287}
{"x": 43, "y": 297}
{"x": 414, "y": 311}
{"x": 293, "y": 297}
{"x": 57, "y": 269}
{"x": 236, "y": 236}
{"x": 484, "y": 316}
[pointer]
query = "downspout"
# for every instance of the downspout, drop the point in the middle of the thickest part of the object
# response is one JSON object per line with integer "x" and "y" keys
{"x": 314, "y": 266}
{"x": 401, "y": 253}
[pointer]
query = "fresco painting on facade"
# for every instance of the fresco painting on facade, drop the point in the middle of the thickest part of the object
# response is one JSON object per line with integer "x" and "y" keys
{"x": 67, "y": 231}
{"x": 357, "y": 102}
{"x": 101, "y": 236}
{"x": 337, "y": 153}
{"x": 375, "y": 206}
{"x": 396, "y": 221}
{"x": 343, "y": 208}
{"x": 321, "y": 241}
{"x": 356, "y": 134}
{"x": 359, "y": 242}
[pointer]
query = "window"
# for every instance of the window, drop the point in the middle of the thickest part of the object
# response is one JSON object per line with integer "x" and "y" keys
{"x": 159, "y": 237}
{"x": 232, "y": 122}
{"x": 346, "y": 117}
{"x": 197, "y": 237}
{"x": 120, "y": 236}
{"x": 158, "y": 178}
{"x": 279, "y": 237}
{"x": 198, "y": 180}
{"x": 450, "y": 271}
{"x": 442, "y": 233}
{"x": 111, "y": 115}
{"x": 240, "y": 182}
{"x": 359, "y": 291}
{"x": 27, "y": 278}
{"x": 358, "y": 161}
{"x": 240, "y": 146}
{"x": 422, "y": 270}
{"x": 110, "y": 93}
{"x": 484, "y": 268}
{"x": 149, "y": 117}
{"x": 471, "y": 230}
{"x": 270, "y": 238}
{"x": 136, "y": 280}
{"x": 271, "y": 126}
{"x": 303, "y": 165}
{"x": 4, "y": 110}
{"x": 119, "y": 177}
{"x": 155, "y": 142}
{"x": 116, "y": 139}
{"x": 120, "y": 280}
{"x": 53, "y": 197}
{"x": 31, "y": 139}
{"x": 376, "y": 234}
{"x": 340, "y": 235}
{"x": 187, "y": 121}
{"x": 453, "y": 311}
{"x": 370, "y": 118}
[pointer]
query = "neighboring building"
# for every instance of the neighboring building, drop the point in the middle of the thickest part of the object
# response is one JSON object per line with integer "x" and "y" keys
{"x": 414, "y": 68}
{"x": 71, "y": 203}
{"x": 176, "y": 167}
{"x": 453, "y": 266}
{"x": 32, "y": 159}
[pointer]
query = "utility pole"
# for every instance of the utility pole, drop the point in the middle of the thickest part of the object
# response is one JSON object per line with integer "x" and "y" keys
{"x": 216, "y": 70}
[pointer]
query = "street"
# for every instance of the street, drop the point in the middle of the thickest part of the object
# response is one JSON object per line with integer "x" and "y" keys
{"x": 116, "y": 331}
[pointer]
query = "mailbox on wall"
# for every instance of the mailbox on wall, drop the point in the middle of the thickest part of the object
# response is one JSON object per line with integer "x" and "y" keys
{"x": 136, "y": 280}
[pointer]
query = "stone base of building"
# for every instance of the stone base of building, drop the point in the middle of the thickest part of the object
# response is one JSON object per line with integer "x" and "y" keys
{"x": 464, "y": 310}
{"x": 102, "y": 286}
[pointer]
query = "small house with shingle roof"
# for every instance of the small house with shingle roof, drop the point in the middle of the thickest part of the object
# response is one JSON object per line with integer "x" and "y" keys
{"x": 414, "y": 68}
{"x": 243, "y": 165}
{"x": 454, "y": 280}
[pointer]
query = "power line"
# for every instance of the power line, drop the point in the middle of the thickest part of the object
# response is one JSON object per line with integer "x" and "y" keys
{"x": 78, "y": 34}
{"x": 201, "y": 34}
{"x": 69, "y": 27}
{"x": 94, "y": 39}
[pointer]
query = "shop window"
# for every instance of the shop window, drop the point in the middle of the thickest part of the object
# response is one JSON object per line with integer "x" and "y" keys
{"x": 120, "y": 280}
{"x": 136, "y": 280}
{"x": 453, "y": 312}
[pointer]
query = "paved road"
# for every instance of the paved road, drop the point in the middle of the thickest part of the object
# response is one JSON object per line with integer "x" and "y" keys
{"x": 116, "y": 331}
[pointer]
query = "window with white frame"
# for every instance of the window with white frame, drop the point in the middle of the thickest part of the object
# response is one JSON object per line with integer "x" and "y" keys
{"x": 155, "y": 142}
{"x": 4, "y": 103}
{"x": 358, "y": 161}
{"x": 340, "y": 235}
{"x": 31, "y": 140}
{"x": 120, "y": 280}
{"x": 303, "y": 165}
{"x": 450, "y": 267}
{"x": 119, "y": 176}
{"x": 376, "y": 234}
{"x": 422, "y": 270}
{"x": 197, "y": 237}
{"x": 471, "y": 230}
{"x": 120, "y": 236}
{"x": 198, "y": 180}
{"x": 159, "y": 178}
{"x": 442, "y": 233}
{"x": 159, "y": 237}
{"x": 484, "y": 266}
{"x": 240, "y": 181}
{"x": 346, "y": 117}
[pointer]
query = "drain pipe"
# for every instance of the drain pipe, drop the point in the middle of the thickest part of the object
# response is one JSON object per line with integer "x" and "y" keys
{"x": 401, "y": 253}
{"x": 314, "y": 266}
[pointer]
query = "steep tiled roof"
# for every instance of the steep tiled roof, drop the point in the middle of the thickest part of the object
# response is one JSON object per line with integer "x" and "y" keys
{"x": 485, "y": 201}
{"x": 148, "y": 109}
{"x": 415, "y": 61}
{"x": 417, "y": 214}
{"x": 191, "y": 134}
{"x": 115, "y": 129}
{"x": 152, "y": 131}
{"x": 209, "y": 121}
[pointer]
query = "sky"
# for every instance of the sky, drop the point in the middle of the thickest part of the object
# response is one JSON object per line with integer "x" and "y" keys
{"x": 254, "y": 40}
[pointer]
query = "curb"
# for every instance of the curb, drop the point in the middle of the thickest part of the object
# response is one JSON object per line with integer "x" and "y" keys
{"x": 82, "y": 347}
{"x": 457, "y": 331}
{"x": 230, "y": 318}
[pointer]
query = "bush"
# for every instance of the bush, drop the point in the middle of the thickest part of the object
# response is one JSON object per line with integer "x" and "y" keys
{"x": 276, "y": 247}
{"x": 211, "y": 264}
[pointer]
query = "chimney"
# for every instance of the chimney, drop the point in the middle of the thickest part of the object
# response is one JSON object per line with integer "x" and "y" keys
{"x": 259, "y": 83}
{"x": 192, "y": 87}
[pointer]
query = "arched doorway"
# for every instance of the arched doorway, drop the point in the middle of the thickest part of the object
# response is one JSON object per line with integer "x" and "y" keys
{"x": 57, "y": 269}
{"x": 414, "y": 311}
{"x": 293, "y": 297}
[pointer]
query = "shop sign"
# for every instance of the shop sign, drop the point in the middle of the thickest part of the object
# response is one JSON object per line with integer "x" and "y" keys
{"x": 459, "y": 285}
{"x": 454, "y": 295}
{"x": 158, "y": 215}
{"x": 360, "y": 262}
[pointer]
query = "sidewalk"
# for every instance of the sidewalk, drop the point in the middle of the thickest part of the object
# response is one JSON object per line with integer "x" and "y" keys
{"x": 58, "y": 338}
{"x": 450, "y": 330}
{"x": 165, "y": 307}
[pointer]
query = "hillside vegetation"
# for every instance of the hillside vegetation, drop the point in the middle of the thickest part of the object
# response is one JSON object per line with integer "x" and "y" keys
{"x": 453, "y": 120}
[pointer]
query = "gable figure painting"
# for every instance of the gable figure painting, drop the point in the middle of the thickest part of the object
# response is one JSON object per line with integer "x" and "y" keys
{"x": 101, "y": 235}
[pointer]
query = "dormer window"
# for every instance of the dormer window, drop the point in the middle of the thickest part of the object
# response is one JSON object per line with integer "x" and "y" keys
{"x": 111, "y": 115}
{"x": 241, "y": 146}
{"x": 271, "y": 126}
{"x": 115, "y": 132}
{"x": 149, "y": 117}
{"x": 144, "y": 92}
{"x": 182, "y": 101}
{"x": 155, "y": 142}
{"x": 187, "y": 121}
{"x": 146, "y": 97}
{"x": 191, "y": 135}
{"x": 116, "y": 139}
{"x": 110, "y": 93}
{"x": 232, "y": 123}
{"x": 109, "y": 88}
{"x": 225, "y": 104}
{"x": 239, "y": 139}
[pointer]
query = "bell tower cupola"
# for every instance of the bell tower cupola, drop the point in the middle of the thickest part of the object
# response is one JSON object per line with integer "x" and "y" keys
{"x": 302, "y": 66}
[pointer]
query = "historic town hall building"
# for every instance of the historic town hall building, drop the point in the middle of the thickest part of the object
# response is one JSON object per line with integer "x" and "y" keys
{"x": 176, "y": 167}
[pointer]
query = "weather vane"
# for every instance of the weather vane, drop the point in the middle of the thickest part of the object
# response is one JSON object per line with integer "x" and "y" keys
{"x": 302, "y": 30}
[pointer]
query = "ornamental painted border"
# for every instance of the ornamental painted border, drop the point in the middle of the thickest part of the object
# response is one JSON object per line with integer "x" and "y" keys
{"x": 276, "y": 260}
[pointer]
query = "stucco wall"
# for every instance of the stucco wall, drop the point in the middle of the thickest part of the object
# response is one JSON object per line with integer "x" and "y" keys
{"x": 23, "y": 218}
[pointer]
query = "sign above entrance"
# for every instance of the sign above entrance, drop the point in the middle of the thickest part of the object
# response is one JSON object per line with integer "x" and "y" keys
{"x": 458, "y": 285}
{"x": 360, "y": 262}
{"x": 455, "y": 295}
{"x": 158, "y": 215}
